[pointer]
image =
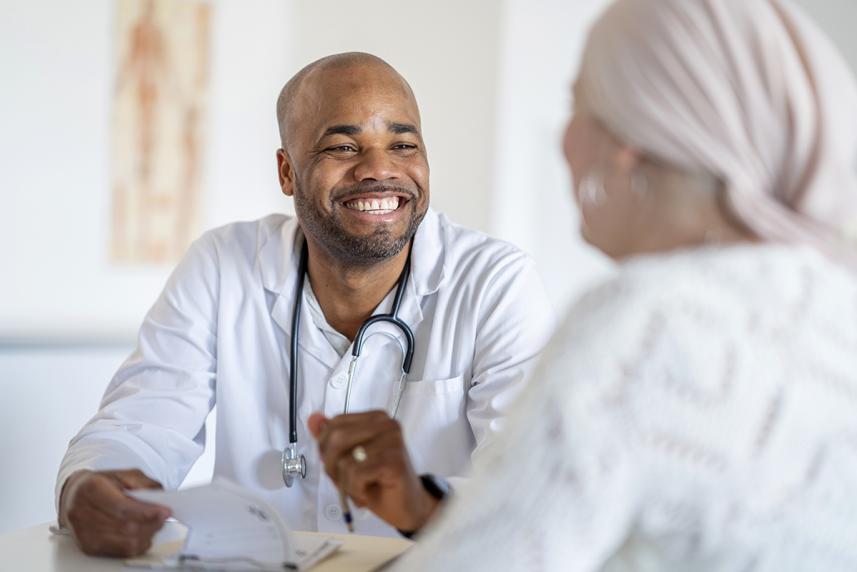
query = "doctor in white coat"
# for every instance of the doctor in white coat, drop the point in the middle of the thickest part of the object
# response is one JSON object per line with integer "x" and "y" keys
{"x": 355, "y": 163}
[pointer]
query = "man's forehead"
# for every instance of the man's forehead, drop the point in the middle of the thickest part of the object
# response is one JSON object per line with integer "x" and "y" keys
{"x": 347, "y": 89}
{"x": 365, "y": 104}
{"x": 367, "y": 112}
{"x": 366, "y": 85}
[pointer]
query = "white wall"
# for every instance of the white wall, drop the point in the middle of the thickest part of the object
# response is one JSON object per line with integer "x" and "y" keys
{"x": 532, "y": 205}
{"x": 48, "y": 394}
{"x": 838, "y": 19}
{"x": 57, "y": 57}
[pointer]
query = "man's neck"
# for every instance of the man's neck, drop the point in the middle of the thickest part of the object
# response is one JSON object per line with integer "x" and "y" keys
{"x": 347, "y": 294}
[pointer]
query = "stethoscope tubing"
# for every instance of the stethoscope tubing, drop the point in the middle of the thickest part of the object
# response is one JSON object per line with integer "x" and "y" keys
{"x": 357, "y": 346}
{"x": 293, "y": 356}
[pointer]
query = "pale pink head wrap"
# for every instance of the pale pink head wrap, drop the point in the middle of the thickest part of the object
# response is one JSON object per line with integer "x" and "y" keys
{"x": 747, "y": 90}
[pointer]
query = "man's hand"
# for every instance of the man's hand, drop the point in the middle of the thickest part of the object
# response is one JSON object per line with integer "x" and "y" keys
{"x": 105, "y": 521}
{"x": 385, "y": 482}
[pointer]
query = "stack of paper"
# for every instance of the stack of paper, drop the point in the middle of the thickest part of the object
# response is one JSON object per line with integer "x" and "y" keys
{"x": 230, "y": 529}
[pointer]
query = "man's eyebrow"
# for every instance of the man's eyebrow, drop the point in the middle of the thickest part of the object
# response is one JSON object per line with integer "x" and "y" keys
{"x": 342, "y": 130}
{"x": 402, "y": 128}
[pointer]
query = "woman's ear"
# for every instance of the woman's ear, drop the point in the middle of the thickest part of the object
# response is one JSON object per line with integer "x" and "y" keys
{"x": 286, "y": 173}
{"x": 626, "y": 160}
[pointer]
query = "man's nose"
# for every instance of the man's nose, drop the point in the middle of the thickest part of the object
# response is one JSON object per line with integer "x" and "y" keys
{"x": 376, "y": 164}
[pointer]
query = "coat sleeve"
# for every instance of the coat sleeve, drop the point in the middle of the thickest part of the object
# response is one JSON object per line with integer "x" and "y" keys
{"x": 515, "y": 322}
{"x": 152, "y": 415}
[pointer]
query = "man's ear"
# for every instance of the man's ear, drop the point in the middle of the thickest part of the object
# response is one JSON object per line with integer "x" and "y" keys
{"x": 286, "y": 173}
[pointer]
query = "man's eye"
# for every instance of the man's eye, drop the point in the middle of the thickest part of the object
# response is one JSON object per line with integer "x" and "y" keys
{"x": 342, "y": 149}
{"x": 404, "y": 147}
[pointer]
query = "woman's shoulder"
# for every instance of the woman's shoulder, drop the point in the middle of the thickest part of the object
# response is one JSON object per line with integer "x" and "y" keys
{"x": 713, "y": 274}
{"x": 662, "y": 279}
{"x": 714, "y": 286}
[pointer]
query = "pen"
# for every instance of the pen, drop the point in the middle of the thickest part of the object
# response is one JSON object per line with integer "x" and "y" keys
{"x": 346, "y": 511}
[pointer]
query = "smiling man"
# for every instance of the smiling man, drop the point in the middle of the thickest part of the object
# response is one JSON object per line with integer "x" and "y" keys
{"x": 239, "y": 316}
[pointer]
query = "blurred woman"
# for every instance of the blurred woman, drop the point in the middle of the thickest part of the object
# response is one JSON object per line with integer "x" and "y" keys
{"x": 699, "y": 410}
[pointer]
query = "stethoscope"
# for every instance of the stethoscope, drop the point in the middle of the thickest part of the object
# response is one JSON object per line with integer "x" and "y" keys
{"x": 294, "y": 464}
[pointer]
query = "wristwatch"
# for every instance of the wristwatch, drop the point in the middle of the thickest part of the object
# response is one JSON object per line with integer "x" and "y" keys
{"x": 438, "y": 488}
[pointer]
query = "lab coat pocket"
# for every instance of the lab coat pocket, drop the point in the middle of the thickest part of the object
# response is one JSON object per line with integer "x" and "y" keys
{"x": 432, "y": 414}
{"x": 437, "y": 386}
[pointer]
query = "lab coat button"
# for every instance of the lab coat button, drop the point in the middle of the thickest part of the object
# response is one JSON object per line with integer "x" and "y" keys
{"x": 332, "y": 512}
{"x": 338, "y": 381}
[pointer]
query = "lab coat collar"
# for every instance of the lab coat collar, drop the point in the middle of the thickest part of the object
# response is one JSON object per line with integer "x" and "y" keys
{"x": 278, "y": 255}
{"x": 278, "y": 261}
{"x": 279, "y": 251}
{"x": 428, "y": 257}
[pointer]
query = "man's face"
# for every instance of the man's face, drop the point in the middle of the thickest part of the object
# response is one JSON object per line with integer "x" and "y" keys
{"x": 356, "y": 164}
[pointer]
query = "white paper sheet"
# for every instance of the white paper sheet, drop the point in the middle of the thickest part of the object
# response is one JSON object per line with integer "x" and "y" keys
{"x": 230, "y": 529}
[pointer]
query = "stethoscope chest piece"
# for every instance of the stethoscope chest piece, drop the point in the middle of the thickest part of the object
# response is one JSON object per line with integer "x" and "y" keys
{"x": 293, "y": 465}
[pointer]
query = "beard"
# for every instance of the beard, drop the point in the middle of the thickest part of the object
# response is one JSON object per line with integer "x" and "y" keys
{"x": 348, "y": 248}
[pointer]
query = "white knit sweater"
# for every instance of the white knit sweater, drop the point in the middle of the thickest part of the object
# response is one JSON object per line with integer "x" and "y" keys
{"x": 697, "y": 412}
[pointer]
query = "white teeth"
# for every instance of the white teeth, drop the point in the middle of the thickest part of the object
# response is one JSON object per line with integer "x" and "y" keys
{"x": 374, "y": 206}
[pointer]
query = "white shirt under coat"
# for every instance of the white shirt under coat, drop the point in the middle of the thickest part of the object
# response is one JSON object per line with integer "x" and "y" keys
{"x": 220, "y": 332}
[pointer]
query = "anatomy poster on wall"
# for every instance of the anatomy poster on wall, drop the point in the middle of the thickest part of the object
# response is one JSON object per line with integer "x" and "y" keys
{"x": 160, "y": 95}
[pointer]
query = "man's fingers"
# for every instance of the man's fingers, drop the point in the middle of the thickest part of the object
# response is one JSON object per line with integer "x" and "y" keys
{"x": 136, "y": 479}
{"x": 115, "y": 545}
{"x": 106, "y": 495}
{"x": 351, "y": 419}
{"x": 348, "y": 423}
{"x": 384, "y": 460}
{"x": 99, "y": 522}
{"x": 315, "y": 423}
{"x": 341, "y": 442}
{"x": 99, "y": 533}
{"x": 338, "y": 441}
{"x": 106, "y": 521}
{"x": 364, "y": 481}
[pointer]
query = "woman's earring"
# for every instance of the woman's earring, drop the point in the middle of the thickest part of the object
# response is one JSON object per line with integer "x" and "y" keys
{"x": 592, "y": 192}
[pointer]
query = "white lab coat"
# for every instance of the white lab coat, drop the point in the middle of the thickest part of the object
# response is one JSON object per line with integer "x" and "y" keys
{"x": 220, "y": 332}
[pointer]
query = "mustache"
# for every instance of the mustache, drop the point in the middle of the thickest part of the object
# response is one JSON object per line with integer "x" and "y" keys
{"x": 372, "y": 187}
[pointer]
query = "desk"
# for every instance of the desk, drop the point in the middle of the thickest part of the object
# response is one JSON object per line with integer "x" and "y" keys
{"x": 37, "y": 550}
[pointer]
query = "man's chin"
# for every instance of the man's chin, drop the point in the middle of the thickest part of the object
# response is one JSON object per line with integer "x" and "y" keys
{"x": 375, "y": 230}
{"x": 366, "y": 241}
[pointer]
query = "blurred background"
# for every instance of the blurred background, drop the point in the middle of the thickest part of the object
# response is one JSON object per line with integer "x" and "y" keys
{"x": 129, "y": 126}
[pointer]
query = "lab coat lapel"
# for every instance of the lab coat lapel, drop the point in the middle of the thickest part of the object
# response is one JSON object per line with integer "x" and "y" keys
{"x": 382, "y": 356}
{"x": 278, "y": 261}
{"x": 427, "y": 268}
{"x": 427, "y": 274}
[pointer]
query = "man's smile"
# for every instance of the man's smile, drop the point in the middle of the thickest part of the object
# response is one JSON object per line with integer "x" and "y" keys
{"x": 376, "y": 207}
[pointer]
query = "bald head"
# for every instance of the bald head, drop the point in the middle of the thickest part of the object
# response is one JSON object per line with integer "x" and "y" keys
{"x": 332, "y": 77}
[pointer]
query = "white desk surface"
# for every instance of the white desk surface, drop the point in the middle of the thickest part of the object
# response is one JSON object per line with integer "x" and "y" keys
{"x": 37, "y": 550}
